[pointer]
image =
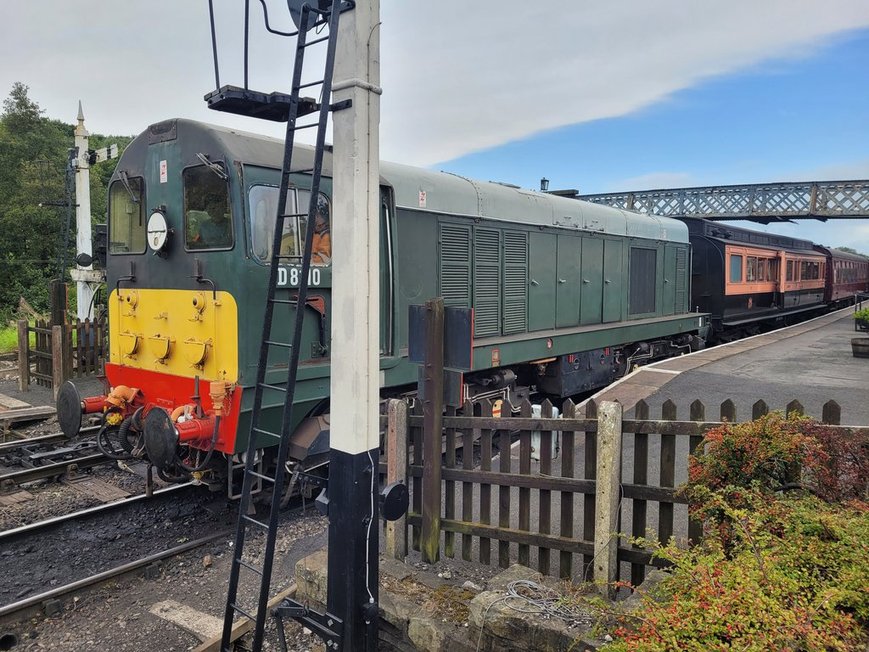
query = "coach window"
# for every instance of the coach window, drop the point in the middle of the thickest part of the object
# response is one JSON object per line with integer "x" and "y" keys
{"x": 751, "y": 269}
{"x": 810, "y": 270}
{"x": 790, "y": 271}
{"x": 207, "y": 212}
{"x": 126, "y": 216}
{"x": 773, "y": 269}
{"x": 736, "y": 269}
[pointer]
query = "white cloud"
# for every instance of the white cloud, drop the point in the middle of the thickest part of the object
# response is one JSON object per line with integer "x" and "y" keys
{"x": 457, "y": 77}
{"x": 653, "y": 181}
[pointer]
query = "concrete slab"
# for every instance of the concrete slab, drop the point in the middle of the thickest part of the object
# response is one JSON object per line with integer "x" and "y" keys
{"x": 202, "y": 625}
{"x": 10, "y": 403}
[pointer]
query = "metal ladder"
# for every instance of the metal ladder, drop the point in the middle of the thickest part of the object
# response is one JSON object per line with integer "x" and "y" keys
{"x": 275, "y": 106}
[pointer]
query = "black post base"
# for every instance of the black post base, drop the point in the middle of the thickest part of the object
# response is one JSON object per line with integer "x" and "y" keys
{"x": 354, "y": 543}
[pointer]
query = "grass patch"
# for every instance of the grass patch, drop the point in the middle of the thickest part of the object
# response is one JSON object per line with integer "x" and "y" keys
{"x": 8, "y": 340}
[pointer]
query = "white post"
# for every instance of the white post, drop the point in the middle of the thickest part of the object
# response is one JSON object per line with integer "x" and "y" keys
{"x": 354, "y": 526}
{"x": 84, "y": 291}
{"x": 355, "y": 227}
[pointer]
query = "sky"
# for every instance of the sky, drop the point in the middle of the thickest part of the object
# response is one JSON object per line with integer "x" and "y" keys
{"x": 592, "y": 94}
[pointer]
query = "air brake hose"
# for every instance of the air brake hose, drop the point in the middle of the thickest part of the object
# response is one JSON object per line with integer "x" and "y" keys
{"x": 204, "y": 464}
{"x": 106, "y": 447}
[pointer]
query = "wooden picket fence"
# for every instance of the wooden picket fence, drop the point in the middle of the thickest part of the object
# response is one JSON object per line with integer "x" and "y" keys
{"x": 60, "y": 352}
{"x": 556, "y": 509}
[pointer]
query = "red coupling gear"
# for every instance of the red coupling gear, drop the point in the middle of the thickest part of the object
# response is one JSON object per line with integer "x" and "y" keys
{"x": 93, "y": 404}
{"x": 195, "y": 429}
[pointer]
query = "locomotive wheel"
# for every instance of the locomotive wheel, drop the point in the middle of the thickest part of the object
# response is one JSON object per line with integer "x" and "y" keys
{"x": 69, "y": 414}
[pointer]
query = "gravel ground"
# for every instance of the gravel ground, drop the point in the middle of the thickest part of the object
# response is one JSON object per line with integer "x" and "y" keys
{"x": 117, "y": 615}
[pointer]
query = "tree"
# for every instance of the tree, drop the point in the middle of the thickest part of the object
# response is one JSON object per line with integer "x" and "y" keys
{"x": 19, "y": 111}
{"x": 34, "y": 154}
{"x": 847, "y": 250}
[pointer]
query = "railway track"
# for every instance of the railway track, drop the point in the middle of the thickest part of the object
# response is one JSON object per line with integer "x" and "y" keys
{"x": 47, "y": 457}
{"x": 86, "y": 547}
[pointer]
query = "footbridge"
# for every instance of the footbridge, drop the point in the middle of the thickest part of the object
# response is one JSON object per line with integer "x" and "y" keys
{"x": 763, "y": 202}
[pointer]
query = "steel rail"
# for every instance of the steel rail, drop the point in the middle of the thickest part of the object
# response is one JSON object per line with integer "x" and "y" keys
{"x": 14, "y": 607}
{"x": 98, "y": 509}
{"x": 39, "y": 441}
{"x": 52, "y": 470}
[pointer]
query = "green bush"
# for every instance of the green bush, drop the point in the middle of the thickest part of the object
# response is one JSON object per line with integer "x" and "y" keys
{"x": 793, "y": 578}
{"x": 775, "y": 452}
{"x": 777, "y": 569}
{"x": 862, "y": 315}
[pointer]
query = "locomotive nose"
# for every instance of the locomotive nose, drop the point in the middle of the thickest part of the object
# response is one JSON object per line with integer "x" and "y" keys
{"x": 161, "y": 438}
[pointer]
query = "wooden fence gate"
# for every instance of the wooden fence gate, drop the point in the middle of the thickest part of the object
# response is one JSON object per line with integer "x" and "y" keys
{"x": 60, "y": 352}
{"x": 554, "y": 493}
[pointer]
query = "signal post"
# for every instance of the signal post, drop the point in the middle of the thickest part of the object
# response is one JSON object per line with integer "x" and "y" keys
{"x": 355, "y": 357}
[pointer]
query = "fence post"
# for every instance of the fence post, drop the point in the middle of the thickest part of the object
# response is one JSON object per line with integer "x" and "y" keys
{"x": 57, "y": 295}
{"x": 396, "y": 471}
{"x": 609, "y": 477}
{"x": 432, "y": 406}
{"x": 58, "y": 359}
{"x": 23, "y": 356}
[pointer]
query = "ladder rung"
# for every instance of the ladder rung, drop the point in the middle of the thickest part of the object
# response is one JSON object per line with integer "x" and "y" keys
{"x": 309, "y": 84}
{"x": 248, "y": 566}
{"x": 286, "y": 215}
{"x": 274, "y": 387}
{"x": 314, "y": 41}
{"x": 261, "y": 476}
{"x": 283, "y": 345}
{"x": 243, "y": 612}
{"x": 289, "y": 256}
{"x": 290, "y": 302}
{"x": 313, "y": 124}
{"x": 247, "y": 518}
{"x": 267, "y": 433}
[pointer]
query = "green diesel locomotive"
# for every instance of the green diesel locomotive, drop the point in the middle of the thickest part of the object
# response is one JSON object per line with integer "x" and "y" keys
{"x": 566, "y": 295}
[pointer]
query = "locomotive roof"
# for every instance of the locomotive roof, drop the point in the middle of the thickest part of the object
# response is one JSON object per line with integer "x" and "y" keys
{"x": 444, "y": 193}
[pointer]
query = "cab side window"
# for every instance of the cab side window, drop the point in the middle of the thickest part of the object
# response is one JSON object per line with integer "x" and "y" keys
{"x": 207, "y": 210}
{"x": 262, "y": 207}
{"x": 126, "y": 217}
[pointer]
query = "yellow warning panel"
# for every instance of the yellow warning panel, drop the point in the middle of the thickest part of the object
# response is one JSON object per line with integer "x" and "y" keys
{"x": 180, "y": 332}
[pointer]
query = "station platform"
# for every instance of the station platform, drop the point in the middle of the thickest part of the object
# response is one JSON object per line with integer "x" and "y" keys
{"x": 810, "y": 362}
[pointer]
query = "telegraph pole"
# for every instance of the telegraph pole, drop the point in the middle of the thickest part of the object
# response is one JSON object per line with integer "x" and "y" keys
{"x": 355, "y": 385}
